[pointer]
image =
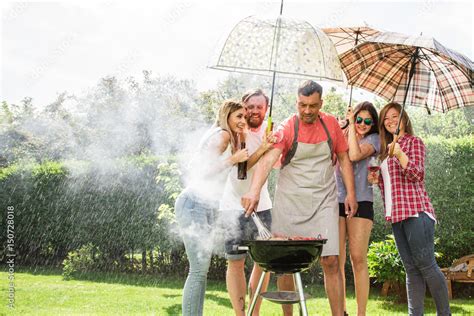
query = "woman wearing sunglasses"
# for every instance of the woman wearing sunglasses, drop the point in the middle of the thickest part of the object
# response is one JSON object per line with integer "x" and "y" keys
{"x": 409, "y": 209}
{"x": 363, "y": 139}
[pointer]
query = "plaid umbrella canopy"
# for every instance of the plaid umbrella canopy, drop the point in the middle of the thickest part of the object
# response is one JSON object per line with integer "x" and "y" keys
{"x": 417, "y": 71}
{"x": 344, "y": 39}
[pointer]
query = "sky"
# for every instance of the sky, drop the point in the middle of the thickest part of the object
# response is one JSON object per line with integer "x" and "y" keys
{"x": 51, "y": 47}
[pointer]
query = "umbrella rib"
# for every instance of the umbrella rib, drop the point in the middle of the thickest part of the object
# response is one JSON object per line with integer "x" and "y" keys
{"x": 405, "y": 73}
{"x": 275, "y": 43}
{"x": 436, "y": 79}
{"x": 268, "y": 73}
{"x": 350, "y": 34}
{"x": 444, "y": 107}
{"x": 322, "y": 52}
{"x": 453, "y": 62}
{"x": 340, "y": 40}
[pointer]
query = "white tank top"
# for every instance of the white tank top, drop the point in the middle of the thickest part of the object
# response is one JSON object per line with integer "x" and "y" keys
{"x": 208, "y": 170}
{"x": 235, "y": 188}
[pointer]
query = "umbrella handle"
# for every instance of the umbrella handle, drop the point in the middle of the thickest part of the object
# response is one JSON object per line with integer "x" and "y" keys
{"x": 269, "y": 125}
{"x": 390, "y": 152}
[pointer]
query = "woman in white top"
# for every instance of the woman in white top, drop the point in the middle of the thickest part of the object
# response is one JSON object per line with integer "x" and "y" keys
{"x": 196, "y": 206}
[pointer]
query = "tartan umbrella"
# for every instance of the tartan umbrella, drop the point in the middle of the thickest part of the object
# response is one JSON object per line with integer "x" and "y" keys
{"x": 345, "y": 38}
{"x": 290, "y": 47}
{"x": 411, "y": 70}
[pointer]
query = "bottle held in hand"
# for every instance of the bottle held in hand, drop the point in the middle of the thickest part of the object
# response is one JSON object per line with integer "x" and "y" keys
{"x": 242, "y": 166}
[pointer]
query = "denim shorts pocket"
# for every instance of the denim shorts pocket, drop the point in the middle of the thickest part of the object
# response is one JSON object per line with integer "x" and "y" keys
{"x": 188, "y": 203}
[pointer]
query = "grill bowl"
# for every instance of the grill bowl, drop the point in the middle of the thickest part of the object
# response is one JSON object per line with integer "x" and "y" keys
{"x": 285, "y": 256}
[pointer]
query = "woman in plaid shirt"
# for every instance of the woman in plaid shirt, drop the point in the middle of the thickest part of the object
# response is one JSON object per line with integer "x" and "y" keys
{"x": 409, "y": 209}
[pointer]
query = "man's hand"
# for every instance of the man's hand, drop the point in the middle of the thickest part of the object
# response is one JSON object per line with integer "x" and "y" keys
{"x": 350, "y": 205}
{"x": 249, "y": 202}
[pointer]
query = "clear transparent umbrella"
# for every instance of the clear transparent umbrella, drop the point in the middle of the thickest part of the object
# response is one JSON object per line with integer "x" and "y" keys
{"x": 290, "y": 47}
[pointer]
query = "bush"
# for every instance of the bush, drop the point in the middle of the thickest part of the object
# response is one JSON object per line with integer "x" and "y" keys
{"x": 450, "y": 185}
{"x": 81, "y": 260}
{"x": 384, "y": 261}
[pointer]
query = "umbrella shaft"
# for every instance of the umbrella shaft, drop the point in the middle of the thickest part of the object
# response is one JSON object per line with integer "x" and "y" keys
{"x": 410, "y": 76}
{"x": 271, "y": 95}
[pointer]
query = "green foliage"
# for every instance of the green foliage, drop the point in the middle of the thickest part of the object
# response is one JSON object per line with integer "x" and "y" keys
{"x": 334, "y": 103}
{"x": 8, "y": 171}
{"x": 62, "y": 206}
{"x": 449, "y": 181}
{"x": 48, "y": 168}
{"x": 80, "y": 261}
{"x": 168, "y": 177}
{"x": 384, "y": 261}
{"x": 454, "y": 124}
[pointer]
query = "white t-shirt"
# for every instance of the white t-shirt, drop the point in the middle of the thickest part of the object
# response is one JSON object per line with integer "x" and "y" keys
{"x": 234, "y": 188}
{"x": 388, "y": 191}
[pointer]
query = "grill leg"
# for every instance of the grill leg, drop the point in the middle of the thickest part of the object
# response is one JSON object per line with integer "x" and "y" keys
{"x": 257, "y": 294}
{"x": 299, "y": 286}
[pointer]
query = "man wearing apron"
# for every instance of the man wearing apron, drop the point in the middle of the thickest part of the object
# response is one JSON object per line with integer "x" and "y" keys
{"x": 306, "y": 197}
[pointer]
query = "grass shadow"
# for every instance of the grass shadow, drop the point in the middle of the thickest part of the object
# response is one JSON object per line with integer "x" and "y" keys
{"x": 174, "y": 309}
{"x": 219, "y": 300}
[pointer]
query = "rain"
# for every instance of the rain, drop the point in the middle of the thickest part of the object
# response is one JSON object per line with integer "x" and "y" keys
{"x": 89, "y": 174}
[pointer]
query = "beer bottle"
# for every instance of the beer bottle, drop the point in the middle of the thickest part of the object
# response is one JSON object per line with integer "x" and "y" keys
{"x": 242, "y": 166}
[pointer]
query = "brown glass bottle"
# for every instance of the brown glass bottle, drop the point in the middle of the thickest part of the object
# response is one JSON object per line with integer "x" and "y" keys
{"x": 242, "y": 166}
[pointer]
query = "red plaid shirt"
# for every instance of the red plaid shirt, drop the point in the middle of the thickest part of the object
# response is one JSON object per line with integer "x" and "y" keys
{"x": 409, "y": 195}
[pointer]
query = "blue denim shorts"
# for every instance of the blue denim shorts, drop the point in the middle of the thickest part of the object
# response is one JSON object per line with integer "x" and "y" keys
{"x": 243, "y": 228}
{"x": 195, "y": 216}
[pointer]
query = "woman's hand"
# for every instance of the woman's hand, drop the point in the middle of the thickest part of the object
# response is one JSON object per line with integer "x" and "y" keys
{"x": 373, "y": 177}
{"x": 397, "y": 151}
{"x": 240, "y": 156}
{"x": 350, "y": 116}
{"x": 399, "y": 154}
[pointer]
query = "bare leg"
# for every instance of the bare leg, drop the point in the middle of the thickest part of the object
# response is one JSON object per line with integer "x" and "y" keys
{"x": 342, "y": 255}
{"x": 359, "y": 233}
{"x": 333, "y": 284}
{"x": 236, "y": 285}
{"x": 286, "y": 282}
{"x": 253, "y": 282}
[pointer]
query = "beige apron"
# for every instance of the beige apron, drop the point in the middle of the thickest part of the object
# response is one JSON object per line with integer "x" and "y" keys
{"x": 306, "y": 197}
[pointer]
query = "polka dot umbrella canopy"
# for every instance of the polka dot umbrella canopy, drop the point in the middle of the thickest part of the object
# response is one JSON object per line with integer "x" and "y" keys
{"x": 284, "y": 46}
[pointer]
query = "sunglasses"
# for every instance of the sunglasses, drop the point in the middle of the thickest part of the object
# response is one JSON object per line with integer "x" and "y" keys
{"x": 367, "y": 121}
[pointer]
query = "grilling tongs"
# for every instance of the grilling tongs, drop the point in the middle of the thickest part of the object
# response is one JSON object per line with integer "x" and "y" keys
{"x": 263, "y": 231}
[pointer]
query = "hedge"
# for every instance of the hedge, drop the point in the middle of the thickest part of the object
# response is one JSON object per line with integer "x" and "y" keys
{"x": 125, "y": 206}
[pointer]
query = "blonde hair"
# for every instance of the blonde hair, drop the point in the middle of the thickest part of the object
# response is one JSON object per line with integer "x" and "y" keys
{"x": 385, "y": 136}
{"x": 222, "y": 118}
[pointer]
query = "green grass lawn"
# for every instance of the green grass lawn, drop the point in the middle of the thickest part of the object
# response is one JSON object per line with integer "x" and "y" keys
{"x": 46, "y": 293}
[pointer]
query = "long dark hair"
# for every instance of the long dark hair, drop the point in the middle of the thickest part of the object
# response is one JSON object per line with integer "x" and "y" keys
{"x": 385, "y": 136}
{"x": 369, "y": 107}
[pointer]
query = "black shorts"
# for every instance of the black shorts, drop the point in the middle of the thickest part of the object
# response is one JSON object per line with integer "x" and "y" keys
{"x": 365, "y": 210}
